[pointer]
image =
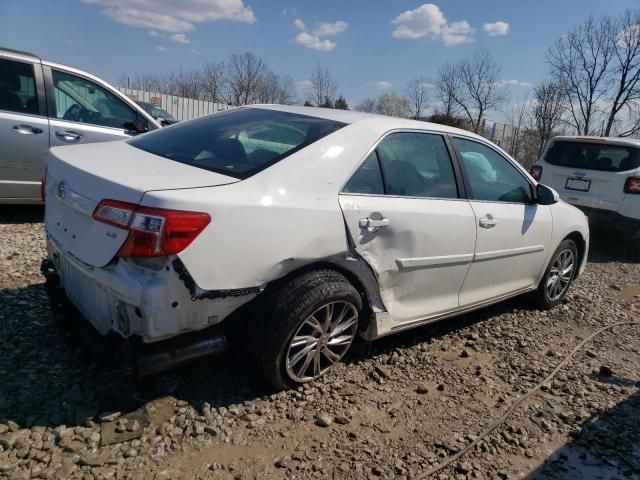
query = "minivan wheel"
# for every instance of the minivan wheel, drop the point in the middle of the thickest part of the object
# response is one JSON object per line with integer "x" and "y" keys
{"x": 557, "y": 279}
{"x": 313, "y": 322}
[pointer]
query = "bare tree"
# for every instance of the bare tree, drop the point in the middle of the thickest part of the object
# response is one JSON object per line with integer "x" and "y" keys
{"x": 213, "y": 81}
{"x": 287, "y": 91}
{"x": 368, "y": 105}
{"x": 393, "y": 104}
{"x": 625, "y": 65}
{"x": 548, "y": 110}
{"x": 518, "y": 118}
{"x": 322, "y": 88}
{"x": 478, "y": 91}
{"x": 448, "y": 88}
{"x": 184, "y": 83}
{"x": 417, "y": 95}
{"x": 580, "y": 61}
{"x": 244, "y": 76}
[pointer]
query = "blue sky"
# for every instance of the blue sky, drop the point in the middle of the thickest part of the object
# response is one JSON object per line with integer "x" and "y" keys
{"x": 370, "y": 46}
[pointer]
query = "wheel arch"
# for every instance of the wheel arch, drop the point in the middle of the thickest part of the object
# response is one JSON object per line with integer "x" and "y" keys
{"x": 356, "y": 271}
{"x": 581, "y": 245}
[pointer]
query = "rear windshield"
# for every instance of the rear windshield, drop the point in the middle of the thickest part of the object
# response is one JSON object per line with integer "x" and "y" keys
{"x": 593, "y": 156}
{"x": 238, "y": 142}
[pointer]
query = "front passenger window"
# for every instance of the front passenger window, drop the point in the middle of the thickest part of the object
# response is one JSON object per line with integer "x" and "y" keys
{"x": 79, "y": 100}
{"x": 491, "y": 176}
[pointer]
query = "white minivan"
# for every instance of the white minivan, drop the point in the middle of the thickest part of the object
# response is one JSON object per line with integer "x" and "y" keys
{"x": 599, "y": 175}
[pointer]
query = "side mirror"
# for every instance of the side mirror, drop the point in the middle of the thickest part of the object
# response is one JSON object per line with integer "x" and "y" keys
{"x": 141, "y": 125}
{"x": 546, "y": 195}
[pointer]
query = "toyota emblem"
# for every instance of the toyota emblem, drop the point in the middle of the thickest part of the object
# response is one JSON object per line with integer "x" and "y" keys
{"x": 62, "y": 189}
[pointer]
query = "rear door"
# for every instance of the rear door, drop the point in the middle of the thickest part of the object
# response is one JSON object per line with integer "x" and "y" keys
{"x": 24, "y": 130}
{"x": 408, "y": 221}
{"x": 590, "y": 173}
{"x": 513, "y": 230}
{"x": 82, "y": 111}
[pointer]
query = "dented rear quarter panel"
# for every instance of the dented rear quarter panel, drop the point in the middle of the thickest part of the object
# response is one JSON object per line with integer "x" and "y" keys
{"x": 280, "y": 219}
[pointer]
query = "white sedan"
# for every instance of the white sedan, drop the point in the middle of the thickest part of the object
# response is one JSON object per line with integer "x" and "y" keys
{"x": 290, "y": 230}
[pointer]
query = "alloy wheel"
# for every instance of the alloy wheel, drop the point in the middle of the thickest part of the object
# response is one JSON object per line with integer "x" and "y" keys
{"x": 560, "y": 274}
{"x": 321, "y": 341}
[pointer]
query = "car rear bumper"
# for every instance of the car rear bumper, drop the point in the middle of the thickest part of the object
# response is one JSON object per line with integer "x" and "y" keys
{"x": 600, "y": 218}
{"x": 152, "y": 302}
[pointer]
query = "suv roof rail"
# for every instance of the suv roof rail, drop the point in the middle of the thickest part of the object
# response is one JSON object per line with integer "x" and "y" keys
{"x": 19, "y": 52}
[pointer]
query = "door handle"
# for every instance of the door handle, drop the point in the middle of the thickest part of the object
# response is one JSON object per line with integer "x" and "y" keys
{"x": 27, "y": 129}
{"x": 374, "y": 222}
{"x": 68, "y": 136}
{"x": 487, "y": 222}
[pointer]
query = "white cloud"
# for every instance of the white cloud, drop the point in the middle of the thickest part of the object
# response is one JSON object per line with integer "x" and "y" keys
{"x": 172, "y": 16}
{"x": 428, "y": 21}
{"x": 513, "y": 82}
{"x": 160, "y": 48}
{"x": 383, "y": 84}
{"x": 496, "y": 28}
{"x": 153, "y": 33}
{"x": 312, "y": 41}
{"x": 180, "y": 38}
{"x": 325, "y": 28}
{"x": 457, "y": 33}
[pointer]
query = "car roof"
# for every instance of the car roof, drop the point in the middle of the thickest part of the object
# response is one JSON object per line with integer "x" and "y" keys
{"x": 634, "y": 142}
{"x": 350, "y": 116}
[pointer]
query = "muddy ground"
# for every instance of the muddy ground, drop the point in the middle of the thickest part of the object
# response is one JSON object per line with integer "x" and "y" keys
{"x": 393, "y": 409}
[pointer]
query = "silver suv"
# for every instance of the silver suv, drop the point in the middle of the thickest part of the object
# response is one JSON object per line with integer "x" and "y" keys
{"x": 44, "y": 104}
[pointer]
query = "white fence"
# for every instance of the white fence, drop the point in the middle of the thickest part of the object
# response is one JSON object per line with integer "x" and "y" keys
{"x": 181, "y": 108}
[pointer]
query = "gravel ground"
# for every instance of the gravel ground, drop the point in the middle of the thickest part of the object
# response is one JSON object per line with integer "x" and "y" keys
{"x": 394, "y": 409}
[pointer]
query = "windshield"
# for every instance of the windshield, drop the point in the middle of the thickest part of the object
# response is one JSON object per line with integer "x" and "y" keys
{"x": 238, "y": 142}
{"x": 593, "y": 156}
{"x": 156, "y": 112}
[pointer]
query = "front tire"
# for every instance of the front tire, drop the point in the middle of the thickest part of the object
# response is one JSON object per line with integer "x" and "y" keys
{"x": 558, "y": 277}
{"x": 312, "y": 323}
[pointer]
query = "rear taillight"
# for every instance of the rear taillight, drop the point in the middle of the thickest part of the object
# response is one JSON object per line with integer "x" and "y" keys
{"x": 632, "y": 185}
{"x": 153, "y": 232}
{"x": 536, "y": 172}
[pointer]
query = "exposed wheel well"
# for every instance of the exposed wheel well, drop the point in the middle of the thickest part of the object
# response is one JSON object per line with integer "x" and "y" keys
{"x": 580, "y": 244}
{"x": 366, "y": 313}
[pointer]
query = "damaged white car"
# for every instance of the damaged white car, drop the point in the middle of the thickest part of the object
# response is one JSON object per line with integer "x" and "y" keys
{"x": 290, "y": 230}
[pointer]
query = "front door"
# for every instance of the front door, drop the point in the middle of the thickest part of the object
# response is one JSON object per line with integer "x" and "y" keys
{"x": 85, "y": 112}
{"x": 24, "y": 132}
{"x": 513, "y": 230}
{"x": 407, "y": 220}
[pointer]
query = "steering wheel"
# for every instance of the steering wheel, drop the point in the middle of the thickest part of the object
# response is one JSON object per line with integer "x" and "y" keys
{"x": 73, "y": 113}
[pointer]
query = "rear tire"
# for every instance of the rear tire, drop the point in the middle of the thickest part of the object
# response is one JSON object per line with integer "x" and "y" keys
{"x": 310, "y": 324}
{"x": 558, "y": 277}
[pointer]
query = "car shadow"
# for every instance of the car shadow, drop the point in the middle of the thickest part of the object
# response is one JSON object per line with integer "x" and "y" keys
{"x": 19, "y": 214}
{"x": 612, "y": 247}
{"x": 607, "y": 444}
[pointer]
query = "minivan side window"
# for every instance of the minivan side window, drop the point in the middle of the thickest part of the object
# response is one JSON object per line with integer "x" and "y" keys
{"x": 417, "y": 165}
{"x": 491, "y": 176}
{"x": 18, "y": 87}
{"x": 80, "y": 100}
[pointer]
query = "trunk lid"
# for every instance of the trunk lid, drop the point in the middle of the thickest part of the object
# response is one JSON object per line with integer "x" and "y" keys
{"x": 79, "y": 177}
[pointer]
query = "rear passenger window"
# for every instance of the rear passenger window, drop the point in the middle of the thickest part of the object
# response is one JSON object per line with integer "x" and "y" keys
{"x": 367, "y": 179}
{"x": 18, "y": 87}
{"x": 417, "y": 165}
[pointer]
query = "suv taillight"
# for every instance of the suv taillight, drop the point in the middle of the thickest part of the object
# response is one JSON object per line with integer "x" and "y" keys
{"x": 632, "y": 185}
{"x": 153, "y": 232}
{"x": 536, "y": 172}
